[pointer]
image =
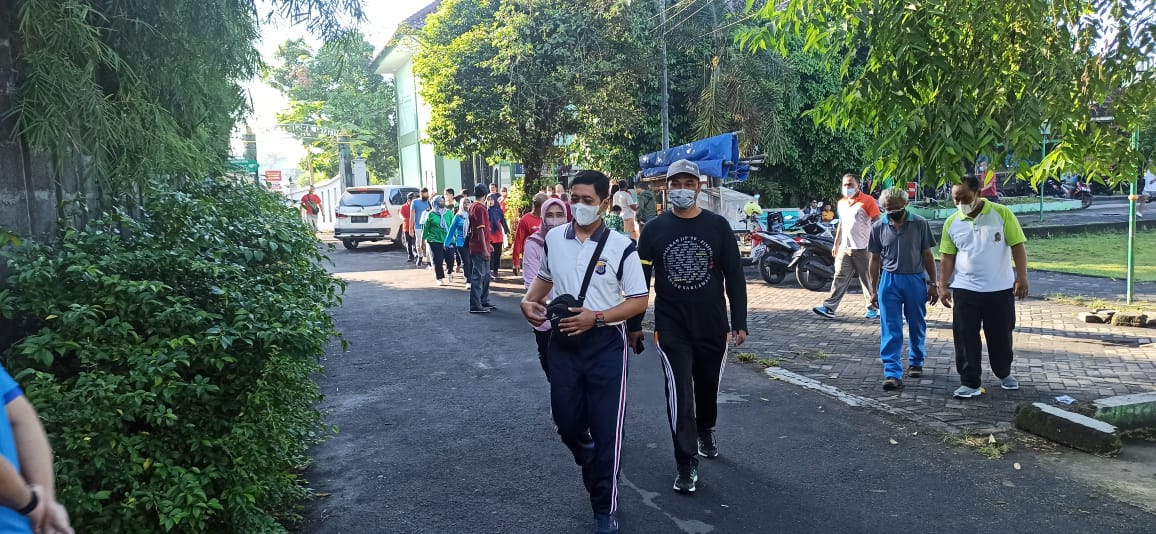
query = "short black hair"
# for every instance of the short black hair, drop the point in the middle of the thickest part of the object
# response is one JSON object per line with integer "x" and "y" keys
{"x": 425, "y": 190}
{"x": 623, "y": 184}
{"x": 480, "y": 191}
{"x": 450, "y": 190}
{"x": 600, "y": 182}
{"x": 853, "y": 177}
{"x": 970, "y": 181}
{"x": 616, "y": 209}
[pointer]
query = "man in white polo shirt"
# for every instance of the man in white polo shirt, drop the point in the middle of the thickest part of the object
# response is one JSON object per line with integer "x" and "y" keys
{"x": 588, "y": 377}
{"x": 857, "y": 212}
{"x": 979, "y": 244}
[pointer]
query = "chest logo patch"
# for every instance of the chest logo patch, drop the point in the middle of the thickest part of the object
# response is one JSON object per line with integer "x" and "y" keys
{"x": 997, "y": 237}
{"x": 600, "y": 267}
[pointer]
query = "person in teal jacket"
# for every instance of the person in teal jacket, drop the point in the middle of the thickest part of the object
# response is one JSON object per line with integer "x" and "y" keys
{"x": 456, "y": 234}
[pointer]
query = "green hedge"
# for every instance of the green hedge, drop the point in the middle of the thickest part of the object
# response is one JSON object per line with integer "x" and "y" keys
{"x": 170, "y": 357}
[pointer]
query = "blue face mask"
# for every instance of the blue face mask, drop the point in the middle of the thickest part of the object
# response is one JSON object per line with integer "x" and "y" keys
{"x": 681, "y": 198}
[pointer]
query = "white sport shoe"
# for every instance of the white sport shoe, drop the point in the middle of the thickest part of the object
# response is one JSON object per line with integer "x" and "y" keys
{"x": 441, "y": 282}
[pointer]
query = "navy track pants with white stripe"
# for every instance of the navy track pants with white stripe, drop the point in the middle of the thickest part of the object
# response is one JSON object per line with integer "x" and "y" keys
{"x": 588, "y": 391}
{"x": 693, "y": 369}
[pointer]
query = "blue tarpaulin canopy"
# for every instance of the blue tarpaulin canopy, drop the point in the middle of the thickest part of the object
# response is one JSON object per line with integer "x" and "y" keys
{"x": 716, "y": 156}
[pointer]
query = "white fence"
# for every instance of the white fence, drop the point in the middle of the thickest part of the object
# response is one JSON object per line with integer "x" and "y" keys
{"x": 330, "y": 193}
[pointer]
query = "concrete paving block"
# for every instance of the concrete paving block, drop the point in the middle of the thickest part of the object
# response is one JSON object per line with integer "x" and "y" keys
{"x": 1088, "y": 317}
{"x": 1128, "y": 411}
{"x": 1067, "y": 428}
{"x": 1130, "y": 319}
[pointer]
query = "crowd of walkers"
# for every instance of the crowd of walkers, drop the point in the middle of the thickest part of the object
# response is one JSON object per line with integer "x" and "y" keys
{"x": 591, "y": 257}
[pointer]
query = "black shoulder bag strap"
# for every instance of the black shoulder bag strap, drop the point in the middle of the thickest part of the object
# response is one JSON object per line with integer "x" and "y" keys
{"x": 593, "y": 263}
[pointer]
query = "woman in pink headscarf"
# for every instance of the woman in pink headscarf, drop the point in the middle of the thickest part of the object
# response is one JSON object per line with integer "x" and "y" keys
{"x": 555, "y": 213}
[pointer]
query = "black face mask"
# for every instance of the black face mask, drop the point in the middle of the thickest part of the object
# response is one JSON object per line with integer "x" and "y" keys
{"x": 896, "y": 216}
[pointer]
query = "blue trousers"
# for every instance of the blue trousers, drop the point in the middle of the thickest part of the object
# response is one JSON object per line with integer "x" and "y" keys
{"x": 588, "y": 391}
{"x": 902, "y": 296}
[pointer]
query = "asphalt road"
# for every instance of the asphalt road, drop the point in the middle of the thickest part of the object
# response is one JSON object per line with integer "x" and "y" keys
{"x": 444, "y": 428}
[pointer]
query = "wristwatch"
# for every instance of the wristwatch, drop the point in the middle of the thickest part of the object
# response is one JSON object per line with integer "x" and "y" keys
{"x": 599, "y": 319}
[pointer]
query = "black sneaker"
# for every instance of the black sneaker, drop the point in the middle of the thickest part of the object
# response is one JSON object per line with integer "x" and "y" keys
{"x": 706, "y": 444}
{"x": 489, "y": 307}
{"x": 687, "y": 480}
{"x": 605, "y": 524}
{"x": 479, "y": 310}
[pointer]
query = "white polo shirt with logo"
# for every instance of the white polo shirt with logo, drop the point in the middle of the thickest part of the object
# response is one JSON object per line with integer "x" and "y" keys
{"x": 982, "y": 248}
{"x": 617, "y": 276}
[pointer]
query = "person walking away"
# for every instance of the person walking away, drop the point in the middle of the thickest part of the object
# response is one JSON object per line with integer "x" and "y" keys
{"x": 502, "y": 198}
{"x": 647, "y": 205}
{"x": 588, "y": 375}
{"x": 480, "y": 250}
{"x": 27, "y": 478}
{"x": 311, "y": 205}
{"x": 857, "y": 212}
{"x": 694, "y": 259}
{"x": 555, "y": 213}
{"x": 498, "y": 231}
{"x": 407, "y": 227}
{"x": 420, "y": 206}
{"x": 903, "y": 281}
{"x": 626, "y": 203}
{"x": 437, "y": 223}
{"x": 527, "y": 225}
{"x": 1149, "y": 191}
{"x": 979, "y": 245}
{"x": 456, "y": 237}
{"x": 613, "y": 220}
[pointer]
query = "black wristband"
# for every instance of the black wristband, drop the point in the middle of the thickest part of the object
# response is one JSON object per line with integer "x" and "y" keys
{"x": 32, "y": 504}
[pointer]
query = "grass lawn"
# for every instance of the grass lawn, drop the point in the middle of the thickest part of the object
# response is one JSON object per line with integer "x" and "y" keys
{"x": 1099, "y": 254}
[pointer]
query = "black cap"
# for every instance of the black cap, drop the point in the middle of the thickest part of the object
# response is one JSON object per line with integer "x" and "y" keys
{"x": 481, "y": 191}
{"x": 411, "y": 196}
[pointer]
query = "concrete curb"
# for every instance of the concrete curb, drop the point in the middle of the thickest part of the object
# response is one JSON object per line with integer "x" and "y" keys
{"x": 1066, "y": 428}
{"x": 1127, "y": 411}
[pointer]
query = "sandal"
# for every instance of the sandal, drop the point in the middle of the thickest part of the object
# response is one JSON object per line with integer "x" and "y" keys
{"x": 891, "y": 384}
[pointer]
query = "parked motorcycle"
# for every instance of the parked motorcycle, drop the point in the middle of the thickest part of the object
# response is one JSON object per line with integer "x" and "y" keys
{"x": 813, "y": 263}
{"x": 778, "y": 249}
{"x": 1077, "y": 191}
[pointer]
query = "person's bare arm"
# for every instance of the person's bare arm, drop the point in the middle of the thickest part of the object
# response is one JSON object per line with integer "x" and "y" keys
{"x": 534, "y": 302}
{"x": 946, "y": 269}
{"x": 932, "y": 281}
{"x": 584, "y": 318}
{"x": 14, "y": 491}
{"x": 874, "y": 273}
{"x": 1020, "y": 257}
{"x": 32, "y": 445}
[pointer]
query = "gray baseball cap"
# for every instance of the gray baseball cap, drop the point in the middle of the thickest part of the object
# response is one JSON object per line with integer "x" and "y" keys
{"x": 683, "y": 166}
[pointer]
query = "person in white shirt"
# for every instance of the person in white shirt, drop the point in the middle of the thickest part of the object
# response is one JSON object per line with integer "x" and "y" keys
{"x": 1149, "y": 190}
{"x": 623, "y": 199}
{"x": 587, "y": 352}
{"x": 980, "y": 244}
{"x": 857, "y": 212}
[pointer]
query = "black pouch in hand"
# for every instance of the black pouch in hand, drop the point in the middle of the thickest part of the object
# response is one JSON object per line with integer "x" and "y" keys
{"x": 559, "y": 307}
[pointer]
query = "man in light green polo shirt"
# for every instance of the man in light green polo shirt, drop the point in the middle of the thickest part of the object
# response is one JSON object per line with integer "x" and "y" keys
{"x": 979, "y": 244}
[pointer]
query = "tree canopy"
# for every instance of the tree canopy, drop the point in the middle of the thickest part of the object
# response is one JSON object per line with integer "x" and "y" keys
{"x": 948, "y": 80}
{"x": 336, "y": 87}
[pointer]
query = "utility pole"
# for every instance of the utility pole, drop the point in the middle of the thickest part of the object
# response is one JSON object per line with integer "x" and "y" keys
{"x": 665, "y": 78}
{"x": 1131, "y": 258}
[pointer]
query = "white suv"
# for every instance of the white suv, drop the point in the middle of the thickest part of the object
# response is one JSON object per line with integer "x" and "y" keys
{"x": 370, "y": 213}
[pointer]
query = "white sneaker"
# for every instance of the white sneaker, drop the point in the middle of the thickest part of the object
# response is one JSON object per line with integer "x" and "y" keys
{"x": 441, "y": 282}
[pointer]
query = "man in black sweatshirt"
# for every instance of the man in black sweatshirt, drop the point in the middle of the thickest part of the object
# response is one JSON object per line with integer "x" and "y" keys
{"x": 693, "y": 255}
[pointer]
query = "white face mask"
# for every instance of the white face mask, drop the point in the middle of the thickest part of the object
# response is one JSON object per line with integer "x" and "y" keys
{"x": 966, "y": 209}
{"x": 850, "y": 191}
{"x": 584, "y": 215}
{"x": 553, "y": 221}
{"x": 681, "y": 198}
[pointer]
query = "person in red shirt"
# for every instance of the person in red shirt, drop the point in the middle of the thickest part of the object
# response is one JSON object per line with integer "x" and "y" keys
{"x": 527, "y": 226}
{"x": 311, "y": 206}
{"x": 480, "y": 250}
{"x": 407, "y": 227}
{"x": 990, "y": 189}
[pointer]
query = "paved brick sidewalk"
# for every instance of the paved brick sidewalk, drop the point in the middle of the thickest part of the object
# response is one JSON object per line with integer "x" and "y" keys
{"x": 1055, "y": 355}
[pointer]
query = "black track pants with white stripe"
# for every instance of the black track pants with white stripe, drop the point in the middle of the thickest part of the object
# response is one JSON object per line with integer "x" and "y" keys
{"x": 588, "y": 391}
{"x": 693, "y": 368}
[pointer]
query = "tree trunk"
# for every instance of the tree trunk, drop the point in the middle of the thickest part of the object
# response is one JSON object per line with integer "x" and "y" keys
{"x": 532, "y": 164}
